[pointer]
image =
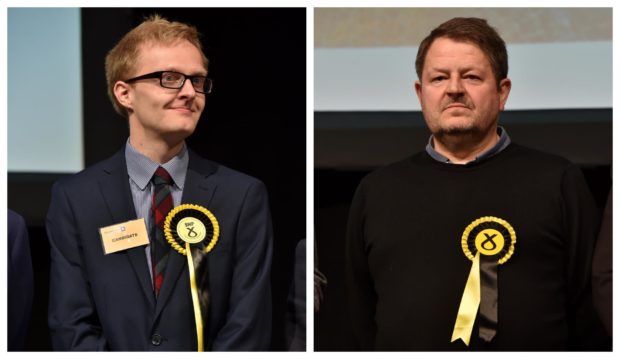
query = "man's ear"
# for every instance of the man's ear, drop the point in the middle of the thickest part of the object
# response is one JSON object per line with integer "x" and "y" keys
{"x": 123, "y": 94}
{"x": 504, "y": 90}
{"x": 418, "y": 89}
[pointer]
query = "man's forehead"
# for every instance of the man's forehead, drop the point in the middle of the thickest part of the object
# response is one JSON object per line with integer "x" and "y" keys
{"x": 150, "y": 45}
{"x": 445, "y": 51}
{"x": 147, "y": 55}
{"x": 446, "y": 43}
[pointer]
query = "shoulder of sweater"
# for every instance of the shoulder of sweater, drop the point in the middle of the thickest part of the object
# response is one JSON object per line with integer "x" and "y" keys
{"x": 534, "y": 158}
{"x": 514, "y": 155}
{"x": 393, "y": 170}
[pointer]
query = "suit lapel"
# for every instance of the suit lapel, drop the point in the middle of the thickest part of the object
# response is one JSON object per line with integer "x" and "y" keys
{"x": 114, "y": 184}
{"x": 196, "y": 190}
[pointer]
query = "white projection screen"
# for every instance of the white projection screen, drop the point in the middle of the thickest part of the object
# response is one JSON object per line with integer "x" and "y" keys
{"x": 559, "y": 58}
{"x": 44, "y": 88}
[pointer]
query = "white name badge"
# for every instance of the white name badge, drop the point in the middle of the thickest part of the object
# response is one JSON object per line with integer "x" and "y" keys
{"x": 119, "y": 237}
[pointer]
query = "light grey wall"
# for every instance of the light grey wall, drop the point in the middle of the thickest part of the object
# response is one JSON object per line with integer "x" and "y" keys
{"x": 44, "y": 90}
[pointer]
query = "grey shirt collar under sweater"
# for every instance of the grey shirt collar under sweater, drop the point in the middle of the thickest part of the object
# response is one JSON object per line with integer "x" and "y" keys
{"x": 504, "y": 141}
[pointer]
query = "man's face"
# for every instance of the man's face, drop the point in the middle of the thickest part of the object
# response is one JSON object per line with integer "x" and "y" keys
{"x": 158, "y": 112}
{"x": 458, "y": 91}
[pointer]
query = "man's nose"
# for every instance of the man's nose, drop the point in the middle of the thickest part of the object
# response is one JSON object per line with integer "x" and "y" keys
{"x": 187, "y": 89}
{"x": 455, "y": 86}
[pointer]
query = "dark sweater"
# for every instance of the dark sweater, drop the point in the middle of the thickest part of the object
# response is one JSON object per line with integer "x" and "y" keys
{"x": 406, "y": 270}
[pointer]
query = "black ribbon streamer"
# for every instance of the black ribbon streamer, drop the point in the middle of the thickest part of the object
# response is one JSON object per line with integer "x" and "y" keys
{"x": 488, "y": 298}
{"x": 199, "y": 255}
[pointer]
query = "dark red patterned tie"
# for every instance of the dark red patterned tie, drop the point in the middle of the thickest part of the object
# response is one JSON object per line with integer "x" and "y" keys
{"x": 161, "y": 205}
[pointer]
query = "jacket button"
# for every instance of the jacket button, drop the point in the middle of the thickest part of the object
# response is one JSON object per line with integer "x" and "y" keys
{"x": 156, "y": 339}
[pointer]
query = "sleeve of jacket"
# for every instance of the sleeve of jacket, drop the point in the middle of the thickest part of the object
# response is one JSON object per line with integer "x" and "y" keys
{"x": 602, "y": 269}
{"x": 248, "y": 323}
{"x": 72, "y": 316}
{"x": 20, "y": 282}
{"x": 581, "y": 223}
{"x": 360, "y": 292}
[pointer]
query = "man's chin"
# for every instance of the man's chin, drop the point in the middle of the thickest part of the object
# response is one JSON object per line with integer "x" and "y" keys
{"x": 183, "y": 132}
{"x": 184, "y": 124}
{"x": 179, "y": 133}
{"x": 457, "y": 130}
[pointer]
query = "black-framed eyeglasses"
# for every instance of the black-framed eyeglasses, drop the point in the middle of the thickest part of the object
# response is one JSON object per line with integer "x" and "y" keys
{"x": 176, "y": 80}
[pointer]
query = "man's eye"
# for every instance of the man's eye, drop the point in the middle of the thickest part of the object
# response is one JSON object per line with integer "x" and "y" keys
{"x": 171, "y": 77}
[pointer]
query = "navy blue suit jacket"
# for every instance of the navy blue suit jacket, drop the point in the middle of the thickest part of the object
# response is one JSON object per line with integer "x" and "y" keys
{"x": 106, "y": 302}
{"x": 20, "y": 280}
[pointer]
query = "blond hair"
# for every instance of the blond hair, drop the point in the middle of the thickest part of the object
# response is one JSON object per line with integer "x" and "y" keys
{"x": 120, "y": 63}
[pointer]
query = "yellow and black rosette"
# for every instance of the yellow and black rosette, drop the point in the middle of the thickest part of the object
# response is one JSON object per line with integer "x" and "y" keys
{"x": 487, "y": 242}
{"x": 193, "y": 231}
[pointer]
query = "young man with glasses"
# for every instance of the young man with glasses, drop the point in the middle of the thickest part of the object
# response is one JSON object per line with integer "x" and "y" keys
{"x": 139, "y": 297}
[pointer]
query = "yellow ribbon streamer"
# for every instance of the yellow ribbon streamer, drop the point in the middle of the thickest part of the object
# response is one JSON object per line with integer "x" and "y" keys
{"x": 469, "y": 304}
{"x": 194, "y": 287}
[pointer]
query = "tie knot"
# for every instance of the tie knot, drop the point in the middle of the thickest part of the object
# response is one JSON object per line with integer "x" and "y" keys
{"x": 162, "y": 176}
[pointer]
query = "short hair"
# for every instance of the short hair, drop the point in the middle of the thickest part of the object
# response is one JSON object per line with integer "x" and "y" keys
{"x": 120, "y": 63}
{"x": 473, "y": 30}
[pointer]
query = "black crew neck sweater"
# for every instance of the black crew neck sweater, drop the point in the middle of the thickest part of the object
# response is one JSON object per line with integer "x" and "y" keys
{"x": 406, "y": 270}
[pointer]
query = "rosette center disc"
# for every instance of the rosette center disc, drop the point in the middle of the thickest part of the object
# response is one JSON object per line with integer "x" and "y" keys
{"x": 489, "y": 242}
{"x": 191, "y": 224}
{"x": 191, "y": 230}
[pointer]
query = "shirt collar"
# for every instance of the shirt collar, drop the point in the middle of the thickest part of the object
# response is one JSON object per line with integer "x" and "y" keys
{"x": 504, "y": 141}
{"x": 141, "y": 168}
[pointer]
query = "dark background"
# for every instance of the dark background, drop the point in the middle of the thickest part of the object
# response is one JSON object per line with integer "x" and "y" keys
{"x": 254, "y": 122}
{"x": 348, "y": 145}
